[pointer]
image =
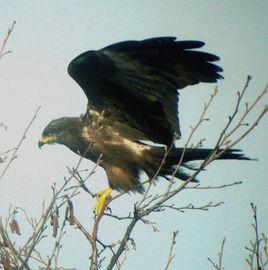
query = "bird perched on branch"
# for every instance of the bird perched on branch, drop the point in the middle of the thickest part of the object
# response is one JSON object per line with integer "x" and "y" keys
{"x": 131, "y": 88}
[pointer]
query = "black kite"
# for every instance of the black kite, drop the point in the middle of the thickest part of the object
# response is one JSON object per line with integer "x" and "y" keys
{"x": 132, "y": 96}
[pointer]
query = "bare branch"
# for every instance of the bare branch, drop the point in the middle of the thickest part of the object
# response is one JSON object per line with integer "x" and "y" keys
{"x": 170, "y": 255}
{"x": 14, "y": 155}
{"x": 258, "y": 255}
{"x": 219, "y": 265}
{"x": 2, "y": 48}
{"x": 198, "y": 186}
{"x": 10, "y": 246}
{"x": 158, "y": 202}
{"x": 190, "y": 206}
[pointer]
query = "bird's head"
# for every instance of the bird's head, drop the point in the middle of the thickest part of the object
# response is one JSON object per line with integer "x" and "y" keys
{"x": 62, "y": 131}
{"x": 51, "y": 133}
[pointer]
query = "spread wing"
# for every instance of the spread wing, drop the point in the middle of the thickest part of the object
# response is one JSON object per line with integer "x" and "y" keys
{"x": 136, "y": 82}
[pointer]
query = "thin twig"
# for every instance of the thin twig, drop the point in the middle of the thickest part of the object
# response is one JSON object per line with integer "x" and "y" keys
{"x": 261, "y": 259}
{"x": 9, "y": 31}
{"x": 46, "y": 215}
{"x": 219, "y": 266}
{"x": 126, "y": 237}
{"x": 11, "y": 246}
{"x": 14, "y": 155}
{"x": 156, "y": 202}
{"x": 190, "y": 206}
{"x": 170, "y": 255}
{"x": 198, "y": 186}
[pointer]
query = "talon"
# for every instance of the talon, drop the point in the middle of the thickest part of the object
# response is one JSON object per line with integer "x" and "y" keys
{"x": 102, "y": 198}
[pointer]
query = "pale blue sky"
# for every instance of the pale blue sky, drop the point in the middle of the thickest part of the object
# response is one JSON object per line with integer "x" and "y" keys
{"x": 49, "y": 34}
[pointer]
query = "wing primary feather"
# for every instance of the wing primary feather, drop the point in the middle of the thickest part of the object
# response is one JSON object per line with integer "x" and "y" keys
{"x": 130, "y": 79}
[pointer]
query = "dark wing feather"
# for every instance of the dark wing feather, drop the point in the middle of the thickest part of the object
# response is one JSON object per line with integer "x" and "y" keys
{"x": 137, "y": 81}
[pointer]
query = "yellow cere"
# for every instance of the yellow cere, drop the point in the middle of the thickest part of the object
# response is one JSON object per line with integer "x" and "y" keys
{"x": 47, "y": 139}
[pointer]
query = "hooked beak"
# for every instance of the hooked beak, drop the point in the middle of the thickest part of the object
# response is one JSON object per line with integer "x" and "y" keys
{"x": 46, "y": 139}
{"x": 40, "y": 144}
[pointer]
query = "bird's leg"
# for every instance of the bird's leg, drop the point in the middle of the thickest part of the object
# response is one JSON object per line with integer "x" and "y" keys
{"x": 102, "y": 197}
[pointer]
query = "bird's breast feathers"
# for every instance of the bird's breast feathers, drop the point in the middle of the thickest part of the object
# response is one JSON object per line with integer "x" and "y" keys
{"x": 108, "y": 141}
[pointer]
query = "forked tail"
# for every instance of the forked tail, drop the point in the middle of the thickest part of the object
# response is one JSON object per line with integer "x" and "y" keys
{"x": 190, "y": 155}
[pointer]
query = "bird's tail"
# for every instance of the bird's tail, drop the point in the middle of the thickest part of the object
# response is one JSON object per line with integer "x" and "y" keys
{"x": 190, "y": 155}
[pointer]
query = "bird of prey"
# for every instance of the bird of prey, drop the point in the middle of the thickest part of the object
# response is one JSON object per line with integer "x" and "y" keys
{"x": 132, "y": 90}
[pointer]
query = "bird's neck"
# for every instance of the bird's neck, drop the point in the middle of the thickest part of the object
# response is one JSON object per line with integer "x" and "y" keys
{"x": 74, "y": 138}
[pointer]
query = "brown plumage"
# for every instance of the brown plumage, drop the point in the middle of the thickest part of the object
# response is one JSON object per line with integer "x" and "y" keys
{"x": 132, "y": 97}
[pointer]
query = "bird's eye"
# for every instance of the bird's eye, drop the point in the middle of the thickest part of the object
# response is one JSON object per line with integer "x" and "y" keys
{"x": 49, "y": 134}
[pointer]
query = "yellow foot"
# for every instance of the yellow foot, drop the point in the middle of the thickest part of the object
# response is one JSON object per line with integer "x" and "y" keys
{"x": 102, "y": 198}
